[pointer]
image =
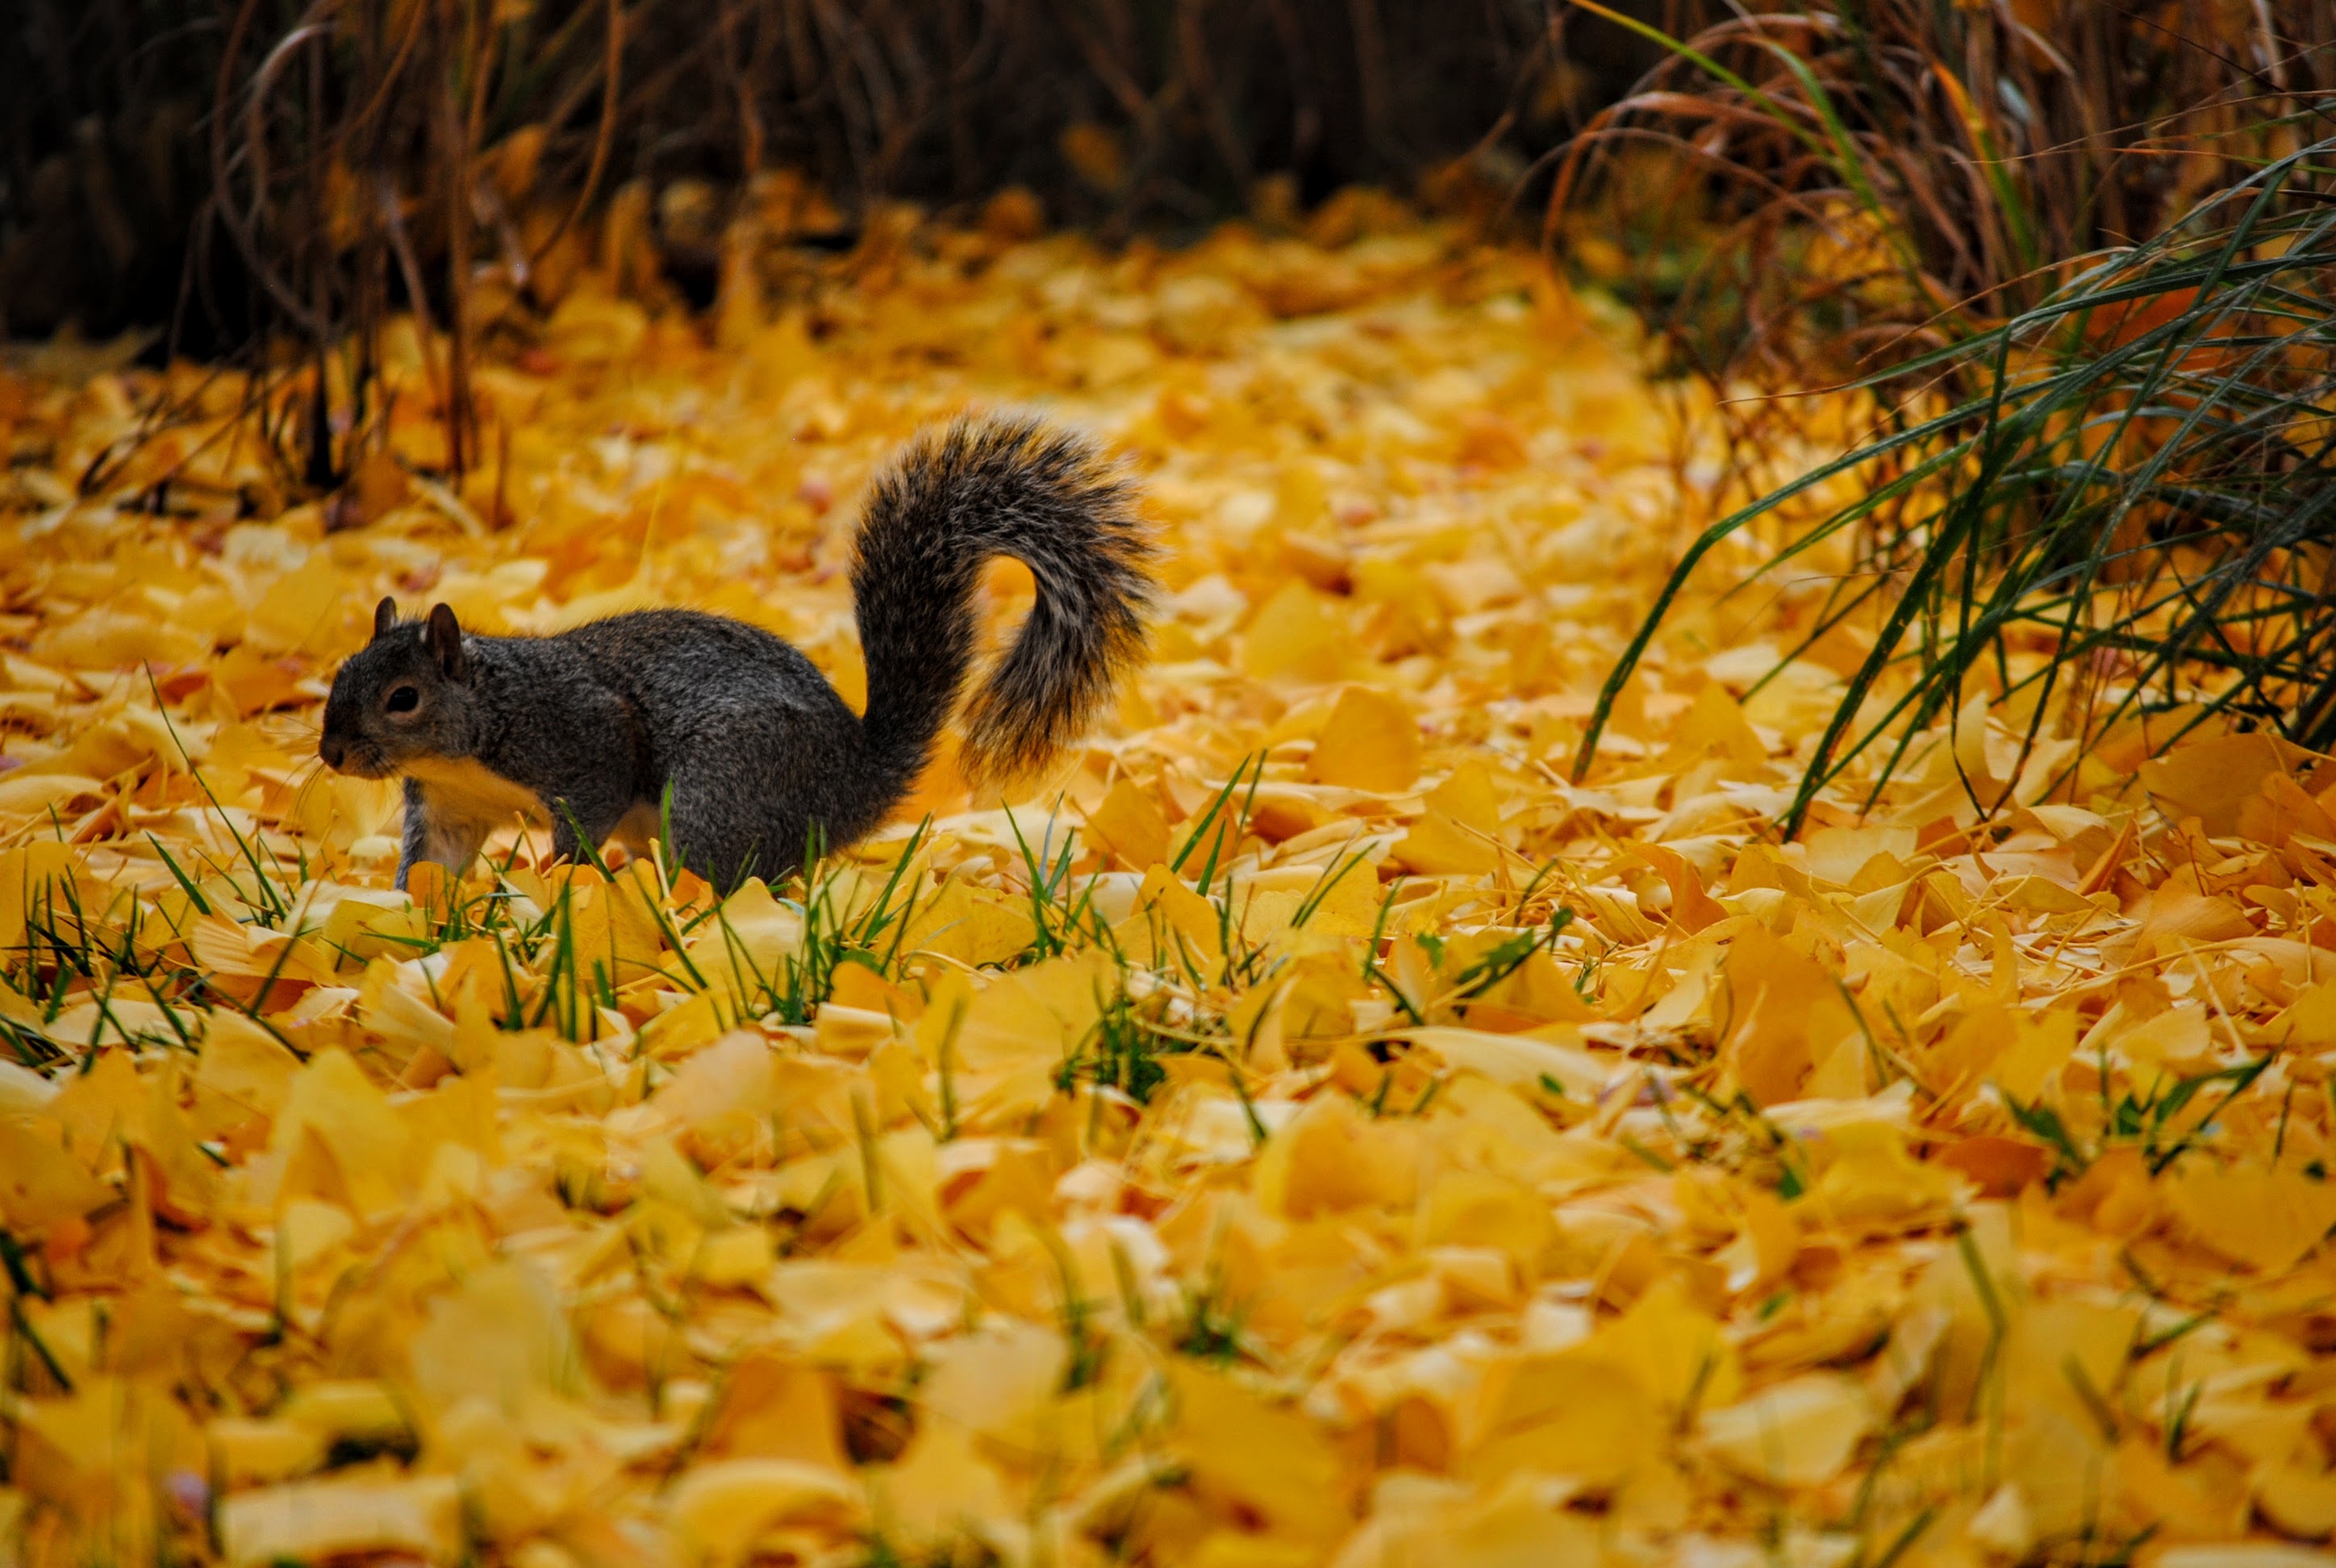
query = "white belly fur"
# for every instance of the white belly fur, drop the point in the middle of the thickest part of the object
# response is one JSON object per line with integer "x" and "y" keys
{"x": 465, "y": 790}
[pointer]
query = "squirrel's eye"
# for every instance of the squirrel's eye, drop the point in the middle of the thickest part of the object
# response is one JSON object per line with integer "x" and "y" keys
{"x": 402, "y": 699}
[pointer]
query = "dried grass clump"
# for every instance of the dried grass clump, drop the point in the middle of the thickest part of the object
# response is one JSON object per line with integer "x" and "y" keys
{"x": 1821, "y": 189}
{"x": 2078, "y": 257}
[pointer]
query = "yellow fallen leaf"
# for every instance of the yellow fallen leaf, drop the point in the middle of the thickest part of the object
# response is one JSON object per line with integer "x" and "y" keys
{"x": 34, "y": 797}
{"x": 1715, "y": 724}
{"x": 1868, "y": 1178}
{"x": 2041, "y": 1045}
{"x": 1439, "y": 845}
{"x": 1574, "y": 1414}
{"x": 2213, "y": 779}
{"x": 1784, "y": 1012}
{"x": 307, "y": 1521}
{"x": 1801, "y": 1432}
{"x": 2310, "y": 1021}
{"x": 1672, "y": 1348}
{"x": 333, "y": 1109}
{"x": 101, "y": 1108}
{"x": 2298, "y": 1500}
{"x": 1329, "y": 1159}
{"x": 719, "y": 1509}
{"x": 1468, "y": 797}
{"x": 1341, "y": 899}
{"x": 39, "y": 1184}
{"x": 941, "y": 1487}
{"x": 1518, "y": 1061}
{"x": 773, "y": 1405}
{"x": 683, "y": 1028}
{"x": 1178, "y": 924}
{"x": 974, "y": 927}
{"x": 1129, "y": 823}
{"x": 741, "y": 948}
{"x": 1692, "y": 909}
{"x": 1370, "y": 742}
{"x": 1483, "y": 1210}
{"x": 2268, "y": 1220}
{"x": 2239, "y": 1554}
{"x": 1256, "y": 1456}
{"x": 351, "y": 1409}
{"x": 2174, "y": 915}
{"x": 499, "y": 1338}
{"x": 23, "y": 1091}
{"x": 244, "y": 1451}
{"x": 1296, "y": 635}
{"x": 245, "y": 1066}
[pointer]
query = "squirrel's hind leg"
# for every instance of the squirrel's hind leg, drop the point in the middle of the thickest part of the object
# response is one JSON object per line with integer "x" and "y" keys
{"x": 600, "y": 820}
{"x": 733, "y": 822}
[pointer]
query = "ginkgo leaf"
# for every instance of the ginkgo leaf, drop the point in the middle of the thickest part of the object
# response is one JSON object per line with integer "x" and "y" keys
{"x": 1370, "y": 742}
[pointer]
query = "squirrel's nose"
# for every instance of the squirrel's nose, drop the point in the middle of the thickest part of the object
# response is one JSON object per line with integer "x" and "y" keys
{"x": 331, "y": 749}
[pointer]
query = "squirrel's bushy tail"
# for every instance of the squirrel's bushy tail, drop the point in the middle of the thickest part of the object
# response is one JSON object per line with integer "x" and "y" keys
{"x": 999, "y": 485}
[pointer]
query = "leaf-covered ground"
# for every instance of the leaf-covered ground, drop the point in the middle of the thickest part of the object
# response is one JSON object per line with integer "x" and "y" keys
{"x": 1310, "y": 1128}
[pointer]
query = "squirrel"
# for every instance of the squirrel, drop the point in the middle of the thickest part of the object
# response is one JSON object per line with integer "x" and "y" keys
{"x": 596, "y": 729}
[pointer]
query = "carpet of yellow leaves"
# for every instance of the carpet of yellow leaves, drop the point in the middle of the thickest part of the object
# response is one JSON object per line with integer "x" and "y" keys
{"x": 1313, "y": 1129}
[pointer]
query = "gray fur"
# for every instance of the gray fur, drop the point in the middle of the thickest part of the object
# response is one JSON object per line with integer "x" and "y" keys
{"x": 759, "y": 751}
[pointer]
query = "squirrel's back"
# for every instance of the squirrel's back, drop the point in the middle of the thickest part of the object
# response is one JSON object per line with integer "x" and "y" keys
{"x": 681, "y": 666}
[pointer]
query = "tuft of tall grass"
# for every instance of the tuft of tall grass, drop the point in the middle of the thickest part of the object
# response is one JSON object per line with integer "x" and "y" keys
{"x": 2120, "y": 499}
{"x": 1827, "y": 187}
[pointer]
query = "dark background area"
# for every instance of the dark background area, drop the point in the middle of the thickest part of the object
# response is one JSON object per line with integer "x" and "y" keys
{"x": 155, "y": 150}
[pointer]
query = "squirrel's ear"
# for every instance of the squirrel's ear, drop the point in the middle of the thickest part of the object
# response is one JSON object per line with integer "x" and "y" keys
{"x": 442, "y": 637}
{"x": 385, "y": 616}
